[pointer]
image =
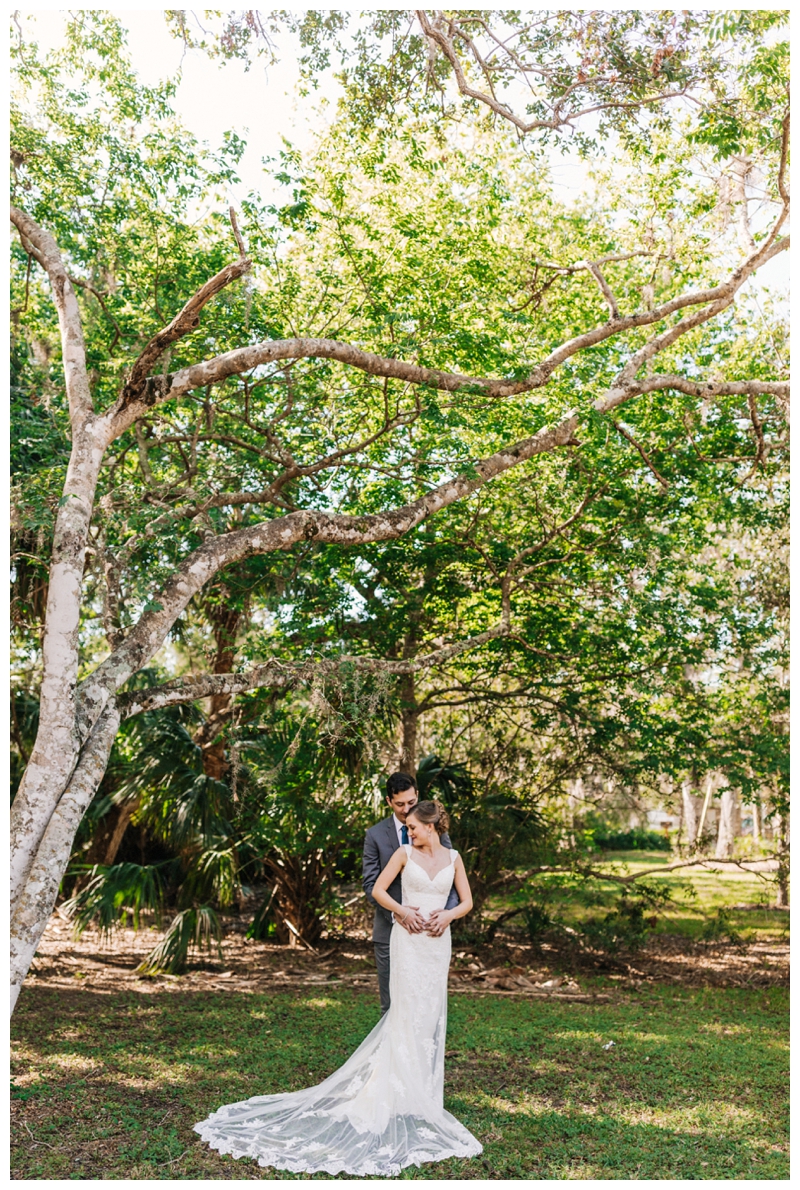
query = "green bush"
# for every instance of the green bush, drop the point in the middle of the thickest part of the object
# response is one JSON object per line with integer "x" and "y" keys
{"x": 720, "y": 929}
{"x": 624, "y": 929}
{"x": 636, "y": 839}
{"x": 537, "y": 922}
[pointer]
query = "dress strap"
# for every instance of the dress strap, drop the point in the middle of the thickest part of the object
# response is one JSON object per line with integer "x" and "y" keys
{"x": 407, "y": 848}
{"x": 453, "y": 855}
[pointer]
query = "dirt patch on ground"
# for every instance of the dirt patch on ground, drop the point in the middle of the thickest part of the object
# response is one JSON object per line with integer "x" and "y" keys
{"x": 668, "y": 958}
{"x": 505, "y": 968}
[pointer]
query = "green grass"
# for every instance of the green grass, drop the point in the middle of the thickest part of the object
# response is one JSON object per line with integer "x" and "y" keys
{"x": 696, "y": 1086}
{"x": 698, "y": 893}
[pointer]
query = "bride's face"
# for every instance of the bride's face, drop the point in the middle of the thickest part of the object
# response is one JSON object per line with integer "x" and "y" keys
{"x": 419, "y": 832}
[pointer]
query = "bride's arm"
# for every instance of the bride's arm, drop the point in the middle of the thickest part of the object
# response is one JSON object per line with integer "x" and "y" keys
{"x": 406, "y": 915}
{"x": 441, "y": 918}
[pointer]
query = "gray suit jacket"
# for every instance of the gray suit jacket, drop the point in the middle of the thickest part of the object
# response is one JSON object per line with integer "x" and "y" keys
{"x": 380, "y": 844}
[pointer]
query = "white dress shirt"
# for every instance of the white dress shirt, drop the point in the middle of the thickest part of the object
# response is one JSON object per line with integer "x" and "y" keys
{"x": 398, "y": 826}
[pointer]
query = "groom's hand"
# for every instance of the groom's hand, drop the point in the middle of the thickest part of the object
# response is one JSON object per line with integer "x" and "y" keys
{"x": 414, "y": 922}
{"x": 438, "y": 922}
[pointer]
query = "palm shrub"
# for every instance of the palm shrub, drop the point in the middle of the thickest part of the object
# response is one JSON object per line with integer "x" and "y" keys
{"x": 306, "y": 809}
{"x": 158, "y": 766}
{"x": 197, "y": 928}
{"x": 116, "y": 895}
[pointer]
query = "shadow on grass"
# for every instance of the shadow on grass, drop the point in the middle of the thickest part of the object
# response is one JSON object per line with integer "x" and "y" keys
{"x": 695, "y": 1085}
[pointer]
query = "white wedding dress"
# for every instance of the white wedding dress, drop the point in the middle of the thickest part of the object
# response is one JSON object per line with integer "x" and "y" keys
{"x": 384, "y": 1109}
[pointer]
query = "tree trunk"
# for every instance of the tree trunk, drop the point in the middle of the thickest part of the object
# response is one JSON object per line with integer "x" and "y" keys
{"x": 410, "y": 722}
{"x": 575, "y": 794}
{"x": 711, "y": 787}
{"x": 729, "y": 821}
{"x": 782, "y": 837}
{"x": 36, "y": 901}
{"x": 689, "y": 812}
{"x": 57, "y": 747}
{"x": 225, "y": 622}
{"x": 752, "y": 808}
{"x": 108, "y": 837}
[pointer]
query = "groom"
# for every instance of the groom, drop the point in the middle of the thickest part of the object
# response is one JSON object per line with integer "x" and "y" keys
{"x": 380, "y": 844}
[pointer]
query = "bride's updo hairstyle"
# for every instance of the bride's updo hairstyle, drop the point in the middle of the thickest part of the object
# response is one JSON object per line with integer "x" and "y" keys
{"x": 432, "y": 814}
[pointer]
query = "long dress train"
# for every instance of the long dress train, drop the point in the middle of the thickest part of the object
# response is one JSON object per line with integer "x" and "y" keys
{"x": 384, "y": 1109}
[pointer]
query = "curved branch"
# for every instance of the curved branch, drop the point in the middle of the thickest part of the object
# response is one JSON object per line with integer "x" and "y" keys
{"x": 185, "y": 321}
{"x": 282, "y": 533}
{"x": 278, "y": 676}
{"x": 329, "y": 528}
{"x": 244, "y": 359}
{"x": 310, "y": 524}
{"x": 45, "y": 251}
{"x": 438, "y": 38}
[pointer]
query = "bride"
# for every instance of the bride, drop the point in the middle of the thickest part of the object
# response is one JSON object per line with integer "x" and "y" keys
{"x": 384, "y": 1109}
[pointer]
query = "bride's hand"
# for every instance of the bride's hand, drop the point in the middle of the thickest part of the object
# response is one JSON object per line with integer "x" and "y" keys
{"x": 413, "y": 921}
{"x": 438, "y": 922}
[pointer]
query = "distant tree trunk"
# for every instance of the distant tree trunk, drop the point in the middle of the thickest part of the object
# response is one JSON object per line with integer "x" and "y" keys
{"x": 754, "y": 817}
{"x": 226, "y": 622}
{"x": 782, "y": 837}
{"x": 108, "y": 836}
{"x": 729, "y": 823}
{"x": 711, "y": 786}
{"x": 410, "y": 724}
{"x": 574, "y": 795}
{"x": 689, "y": 812}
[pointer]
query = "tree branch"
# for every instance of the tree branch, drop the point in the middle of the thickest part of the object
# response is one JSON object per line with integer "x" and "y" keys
{"x": 186, "y": 320}
{"x": 275, "y": 675}
{"x": 445, "y": 44}
{"x": 244, "y": 359}
{"x": 630, "y": 438}
{"x": 597, "y": 273}
{"x": 282, "y": 533}
{"x": 784, "y": 193}
{"x": 310, "y": 524}
{"x": 45, "y": 250}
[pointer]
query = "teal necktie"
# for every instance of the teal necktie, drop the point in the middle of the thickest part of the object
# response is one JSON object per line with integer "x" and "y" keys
{"x": 404, "y": 833}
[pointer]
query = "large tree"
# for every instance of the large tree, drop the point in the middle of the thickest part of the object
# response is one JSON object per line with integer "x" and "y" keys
{"x": 423, "y": 320}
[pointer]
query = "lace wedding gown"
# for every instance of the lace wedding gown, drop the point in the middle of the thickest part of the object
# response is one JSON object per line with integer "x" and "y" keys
{"x": 384, "y": 1109}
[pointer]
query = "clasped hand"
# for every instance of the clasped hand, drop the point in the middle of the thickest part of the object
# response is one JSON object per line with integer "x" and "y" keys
{"x": 415, "y": 923}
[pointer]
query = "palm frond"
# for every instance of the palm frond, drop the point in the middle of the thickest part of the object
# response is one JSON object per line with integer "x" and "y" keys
{"x": 212, "y": 873}
{"x": 112, "y": 893}
{"x": 197, "y": 928}
{"x": 453, "y": 782}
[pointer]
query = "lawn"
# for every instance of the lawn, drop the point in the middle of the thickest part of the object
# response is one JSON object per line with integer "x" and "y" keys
{"x": 107, "y": 1086}
{"x": 746, "y": 897}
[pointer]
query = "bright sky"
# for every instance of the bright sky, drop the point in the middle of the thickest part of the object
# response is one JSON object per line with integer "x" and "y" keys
{"x": 259, "y": 104}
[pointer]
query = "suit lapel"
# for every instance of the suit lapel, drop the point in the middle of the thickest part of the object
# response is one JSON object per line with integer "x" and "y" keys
{"x": 391, "y": 833}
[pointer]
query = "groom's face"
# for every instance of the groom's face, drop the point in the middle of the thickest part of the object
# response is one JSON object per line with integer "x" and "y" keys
{"x": 402, "y": 802}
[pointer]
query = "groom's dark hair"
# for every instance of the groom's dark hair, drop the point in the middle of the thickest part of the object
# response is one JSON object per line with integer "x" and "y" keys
{"x": 397, "y": 782}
